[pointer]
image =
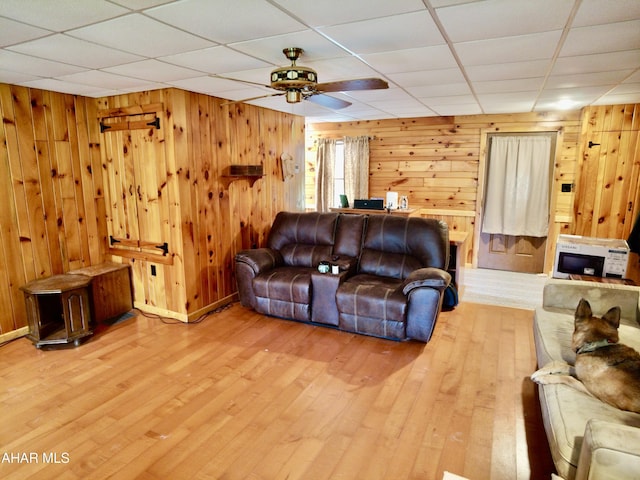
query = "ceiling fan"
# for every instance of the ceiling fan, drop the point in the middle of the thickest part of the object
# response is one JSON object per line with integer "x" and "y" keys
{"x": 298, "y": 83}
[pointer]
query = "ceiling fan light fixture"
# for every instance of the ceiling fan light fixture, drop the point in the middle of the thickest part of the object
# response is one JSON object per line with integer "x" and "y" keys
{"x": 294, "y": 76}
{"x": 294, "y": 96}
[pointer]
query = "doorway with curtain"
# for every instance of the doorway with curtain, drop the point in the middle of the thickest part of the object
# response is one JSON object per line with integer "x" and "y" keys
{"x": 516, "y": 207}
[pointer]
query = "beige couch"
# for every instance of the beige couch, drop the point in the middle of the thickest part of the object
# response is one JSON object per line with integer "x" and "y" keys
{"x": 588, "y": 439}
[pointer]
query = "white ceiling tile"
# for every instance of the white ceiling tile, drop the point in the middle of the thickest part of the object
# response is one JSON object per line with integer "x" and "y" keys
{"x": 206, "y": 84}
{"x": 410, "y": 30}
{"x": 430, "y": 77}
{"x": 438, "y": 90}
{"x": 224, "y": 21}
{"x": 141, "y": 4}
{"x": 616, "y": 99}
{"x": 461, "y": 109}
{"x": 26, "y": 64}
{"x": 141, "y": 35}
{"x": 333, "y": 12}
{"x": 517, "y": 85}
{"x": 581, "y": 96}
{"x": 16, "y": 32}
{"x": 7, "y": 76}
{"x": 602, "y": 38}
{"x": 60, "y": 15}
{"x": 66, "y": 49}
{"x": 597, "y": 12}
{"x": 343, "y": 68}
{"x": 55, "y": 85}
{"x": 537, "y": 46}
{"x": 503, "y": 18}
{"x": 412, "y": 59}
{"x": 587, "y": 79}
{"x": 217, "y": 59}
{"x": 599, "y": 62}
{"x": 269, "y": 49}
{"x": 507, "y": 71}
{"x": 101, "y": 79}
{"x": 449, "y": 100}
{"x": 153, "y": 70}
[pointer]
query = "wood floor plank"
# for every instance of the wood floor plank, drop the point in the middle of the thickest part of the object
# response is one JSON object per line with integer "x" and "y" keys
{"x": 244, "y": 396}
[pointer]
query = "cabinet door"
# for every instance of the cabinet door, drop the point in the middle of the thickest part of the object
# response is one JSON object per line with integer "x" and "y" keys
{"x": 136, "y": 177}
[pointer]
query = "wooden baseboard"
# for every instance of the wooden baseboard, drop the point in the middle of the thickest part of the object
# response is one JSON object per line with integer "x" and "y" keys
{"x": 13, "y": 334}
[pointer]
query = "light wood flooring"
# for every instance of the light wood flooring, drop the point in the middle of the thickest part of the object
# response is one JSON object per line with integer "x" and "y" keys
{"x": 242, "y": 396}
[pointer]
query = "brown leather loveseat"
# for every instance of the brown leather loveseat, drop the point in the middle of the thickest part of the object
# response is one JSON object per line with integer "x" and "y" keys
{"x": 391, "y": 280}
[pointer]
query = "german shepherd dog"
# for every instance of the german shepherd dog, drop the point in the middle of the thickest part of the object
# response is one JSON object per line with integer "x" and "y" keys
{"x": 604, "y": 368}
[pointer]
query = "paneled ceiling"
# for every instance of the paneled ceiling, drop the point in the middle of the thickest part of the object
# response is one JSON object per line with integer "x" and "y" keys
{"x": 440, "y": 57}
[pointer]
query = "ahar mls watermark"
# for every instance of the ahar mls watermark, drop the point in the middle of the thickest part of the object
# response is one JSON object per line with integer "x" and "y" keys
{"x": 35, "y": 457}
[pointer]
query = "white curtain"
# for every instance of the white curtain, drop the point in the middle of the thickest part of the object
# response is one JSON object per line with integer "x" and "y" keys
{"x": 517, "y": 193}
{"x": 356, "y": 167}
{"x": 325, "y": 161}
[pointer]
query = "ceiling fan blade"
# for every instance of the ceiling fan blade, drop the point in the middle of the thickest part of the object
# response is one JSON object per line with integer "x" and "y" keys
{"x": 350, "y": 85}
{"x": 327, "y": 101}
{"x": 230, "y": 102}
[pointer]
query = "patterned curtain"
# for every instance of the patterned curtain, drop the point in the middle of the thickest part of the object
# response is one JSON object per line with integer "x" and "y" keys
{"x": 325, "y": 161}
{"x": 356, "y": 167}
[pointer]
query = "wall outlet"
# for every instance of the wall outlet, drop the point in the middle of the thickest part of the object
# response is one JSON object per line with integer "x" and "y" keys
{"x": 567, "y": 187}
{"x": 153, "y": 270}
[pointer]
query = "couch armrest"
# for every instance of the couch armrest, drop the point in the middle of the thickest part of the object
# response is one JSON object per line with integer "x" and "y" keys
{"x": 260, "y": 259}
{"x": 609, "y": 450}
{"x": 565, "y": 295}
{"x": 426, "y": 277}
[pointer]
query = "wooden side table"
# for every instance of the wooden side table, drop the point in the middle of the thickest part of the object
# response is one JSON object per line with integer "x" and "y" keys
{"x": 58, "y": 309}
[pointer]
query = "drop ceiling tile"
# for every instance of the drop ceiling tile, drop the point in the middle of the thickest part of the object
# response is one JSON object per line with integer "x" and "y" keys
{"x": 60, "y": 15}
{"x": 599, "y": 62}
{"x": 206, "y": 84}
{"x": 438, "y": 90}
{"x": 15, "y": 78}
{"x": 333, "y": 12}
{"x": 26, "y": 64}
{"x": 141, "y": 4}
{"x": 224, "y": 21}
{"x": 587, "y": 79}
{"x": 429, "y": 77}
{"x": 537, "y": 46}
{"x": 366, "y": 96}
{"x": 218, "y": 59}
{"x": 462, "y": 109}
{"x": 409, "y": 30}
{"x": 141, "y": 35}
{"x": 580, "y": 96}
{"x": 614, "y": 37}
{"x": 507, "y": 71}
{"x": 55, "y": 85}
{"x": 269, "y": 49}
{"x": 616, "y": 99}
{"x": 101, "y": 79}
{"x": 63, "y": 48}
{"x": 153, "y": 70}
{"x": 597, "y": 12}
{"x": 343, "y": 68}
{"x": 16, "y": 32}
{"x": 449, "y": 100}
{"x": 412, "y": 59}
{"x": 517, "y": 85}
{"x": 502, "y": 18}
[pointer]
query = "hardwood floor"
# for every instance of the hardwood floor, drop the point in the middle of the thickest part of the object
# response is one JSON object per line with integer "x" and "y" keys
{"x": 242, "y": 396}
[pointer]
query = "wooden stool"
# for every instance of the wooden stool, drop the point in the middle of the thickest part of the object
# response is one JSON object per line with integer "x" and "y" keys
{"x": 58, "y": 309}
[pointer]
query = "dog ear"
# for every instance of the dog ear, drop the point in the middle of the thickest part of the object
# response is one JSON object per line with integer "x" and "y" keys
{"x": 583, "y": 310}
{"x": 612, "y": 317}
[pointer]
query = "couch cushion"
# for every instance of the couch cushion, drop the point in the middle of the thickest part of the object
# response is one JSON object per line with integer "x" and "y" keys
{"x": 304, "y": 239}
{"x": 396, "y": 246}
{"x": 552, "y": 332}
{"x": 291, "y": 284}
{"x": 565, "y": 413}
{"x": 372, "y": 305}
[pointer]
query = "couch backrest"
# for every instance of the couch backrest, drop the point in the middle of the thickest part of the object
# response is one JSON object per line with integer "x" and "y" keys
{"x": 349, "y": 235}
{"x": 303, "y": 239}
{"x": 395, "y": 246}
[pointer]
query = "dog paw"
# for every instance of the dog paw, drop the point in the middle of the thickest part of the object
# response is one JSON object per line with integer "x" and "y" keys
{"x": 554, "y": 368}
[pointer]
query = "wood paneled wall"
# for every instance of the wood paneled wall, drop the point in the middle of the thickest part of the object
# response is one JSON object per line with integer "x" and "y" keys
{"x": 52, "y": 178}
{"x": 438, "y": 162}
{"x": 212, "y": 215}
{"x": 52, "y": 214}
